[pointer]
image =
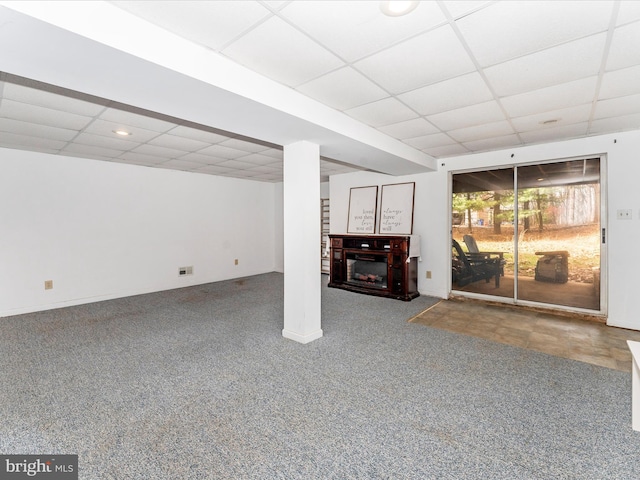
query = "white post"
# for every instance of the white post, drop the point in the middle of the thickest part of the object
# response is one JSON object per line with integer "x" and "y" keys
{"x": 301, "y": 212}
{"x": 635, "y": 384}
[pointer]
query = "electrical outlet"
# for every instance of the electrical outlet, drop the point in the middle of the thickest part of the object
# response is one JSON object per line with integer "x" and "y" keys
{"x": 236, "y": 261}
{"x": 48, "y": 284}
{"x": 185, "y": 271}
{"x": 625, "y": 214}
{"x": 428, "y": 274}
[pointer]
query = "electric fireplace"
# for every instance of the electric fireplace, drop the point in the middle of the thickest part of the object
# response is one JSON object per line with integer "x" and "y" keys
{"x": 375, "y": 265}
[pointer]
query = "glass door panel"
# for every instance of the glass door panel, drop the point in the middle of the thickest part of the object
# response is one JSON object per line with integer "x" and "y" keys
{"x": 482, "y": 232}
{"x": 559, "y": 233}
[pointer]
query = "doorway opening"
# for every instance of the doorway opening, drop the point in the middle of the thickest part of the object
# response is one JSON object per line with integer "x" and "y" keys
{"x": 530, "y": 234}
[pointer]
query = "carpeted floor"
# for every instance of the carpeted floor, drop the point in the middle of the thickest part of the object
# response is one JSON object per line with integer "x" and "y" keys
{"x": 199, "y": 383}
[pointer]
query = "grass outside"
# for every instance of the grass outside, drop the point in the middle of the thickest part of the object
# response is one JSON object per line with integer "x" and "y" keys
{"x": 582, "y": 243}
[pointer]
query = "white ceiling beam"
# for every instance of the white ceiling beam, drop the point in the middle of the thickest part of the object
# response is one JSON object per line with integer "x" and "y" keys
{"x": 98, "y": 49}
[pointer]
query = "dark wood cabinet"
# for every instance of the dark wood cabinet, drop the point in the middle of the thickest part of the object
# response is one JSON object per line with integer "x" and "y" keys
{"x": 375, "y": 265}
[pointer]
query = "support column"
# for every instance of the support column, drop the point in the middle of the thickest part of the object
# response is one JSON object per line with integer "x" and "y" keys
{"x": 301, "y": 215}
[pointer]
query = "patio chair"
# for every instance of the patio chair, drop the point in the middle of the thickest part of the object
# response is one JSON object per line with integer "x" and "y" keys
{"x": 470, "y": 267}
{"x": 472, "y": 246}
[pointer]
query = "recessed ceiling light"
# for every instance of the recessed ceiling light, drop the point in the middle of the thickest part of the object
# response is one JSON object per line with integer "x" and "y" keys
{"x": 397, "y": 8}
{"x": 121, "y": 132}
{"x": 540, "y": 179}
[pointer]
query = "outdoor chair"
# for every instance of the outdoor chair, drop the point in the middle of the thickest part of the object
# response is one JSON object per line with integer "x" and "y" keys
{"x": 470, "y": 267}
{"x": 472, "y": 246}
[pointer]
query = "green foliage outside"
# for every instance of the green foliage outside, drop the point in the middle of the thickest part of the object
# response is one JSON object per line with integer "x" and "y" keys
{"x": 550, "y": 219}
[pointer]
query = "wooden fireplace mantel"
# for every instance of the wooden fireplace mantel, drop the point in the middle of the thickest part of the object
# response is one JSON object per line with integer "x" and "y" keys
{"x": 382, "y": 265}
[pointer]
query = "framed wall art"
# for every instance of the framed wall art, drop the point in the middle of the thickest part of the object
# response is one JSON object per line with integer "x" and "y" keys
{"x": 363, "y": 203}
{"x": 396, "y": 209}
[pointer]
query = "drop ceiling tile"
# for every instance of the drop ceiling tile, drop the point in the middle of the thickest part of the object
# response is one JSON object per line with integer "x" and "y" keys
{"x": 409, "y": 129}
{"x": 202, "y": 159}
{"x": 551, "y": 98}
{"x": 382, "y": 112}
{"x": 222, "y": 152}
{"x": 615, "y": 124}
{"x": 138, "y": 120}
{"x": 275, "y": 4}
{"x": 208, "y": 23}
{"x": 268, "y": 177}
{"x": 493, "y": 143}
{"x": 257, "y": 159}
{"x": 243, "y": 145}
{"x": 565, "y": 116}
{"x": 620, "y": 83}
{"x": 265, "y": 169}
{"x": 428, "y": 58}
{"x": 113, "y": 143}
{"x": 430, "y": 141}
{"x": 624, "y": 51}
{"x": 343, "y": 89}
{"x": 141, "y": 158}
{"x": 159, "y": 152}
{"x": 354, "y": 29}
{"x": 90, "y": 150}
{"x": 42, "y": 115}
{"x": 106, "y": 128}
{"x": 530, "y": 26}
{"x": 460, "y": 8}
{"x": 214, "y": 170}
{"x": 448, "y": 95}
{"x": 484, "y": 131}
{"x": 629, "y": 12}
{"x": 468, "y": 116}
{"x": 196, "y": 134}
{"x": 33, "y": 130}
{"x": 554, "y": 134}
{"x": 22, "y": 142}
{"x": 446, "y": 150}
{"x": 180, "y": 165}
{"x": 273, "y": 152}
{"x": 568, "y": 62}
{"x": 243, "y": 174}
{"x": 614, "y": 107}
{"x": 54, "y": 101}
{"x": 236, "y": 164}
{"x": 178, "y": 143}
{"x": 279, "y": 51}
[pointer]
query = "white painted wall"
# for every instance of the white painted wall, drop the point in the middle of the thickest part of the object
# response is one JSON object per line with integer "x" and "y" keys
{"x": 278, "y": 224}
{"x": 432, "y": 211}
{"x": 324, "y": 190}
{"x": 103, "y": 230}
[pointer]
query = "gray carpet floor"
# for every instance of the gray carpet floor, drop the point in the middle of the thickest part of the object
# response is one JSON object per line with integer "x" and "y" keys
{"x": 199, "y": 383}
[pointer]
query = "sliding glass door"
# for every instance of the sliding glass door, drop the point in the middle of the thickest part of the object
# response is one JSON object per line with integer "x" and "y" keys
{"x": 482, "y": 232}
{"x": 530, "y": 233}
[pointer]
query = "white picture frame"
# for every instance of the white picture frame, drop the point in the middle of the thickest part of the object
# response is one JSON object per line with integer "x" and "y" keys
{"x": 363, "y": 205}
{"x": 396, "y": 209}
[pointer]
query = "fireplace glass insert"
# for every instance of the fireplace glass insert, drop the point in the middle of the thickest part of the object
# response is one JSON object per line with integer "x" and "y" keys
{"x": 369, "y": 270}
